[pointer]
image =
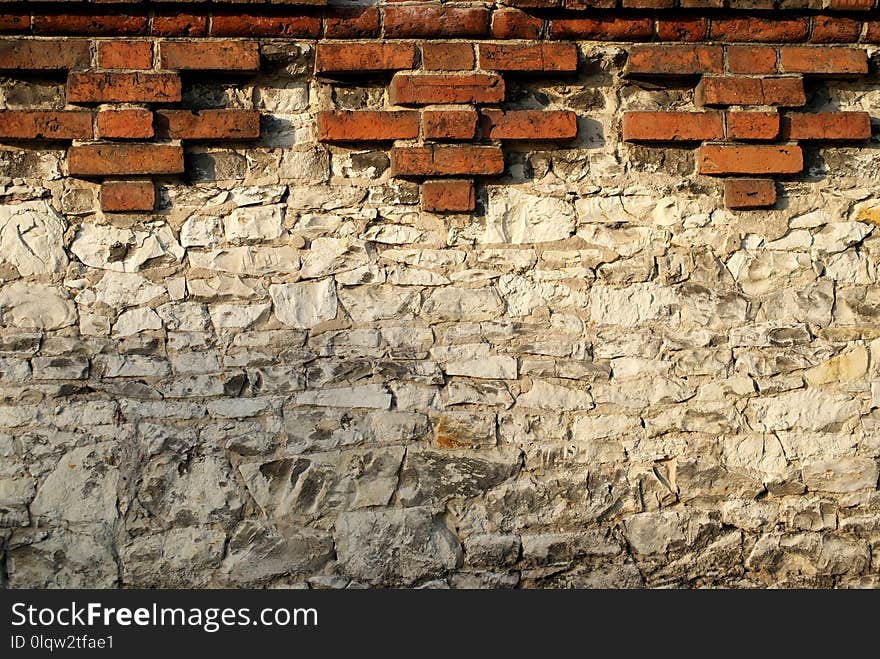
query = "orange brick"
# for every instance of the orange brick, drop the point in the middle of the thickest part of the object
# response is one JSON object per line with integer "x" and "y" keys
{"x": 752, "y": 29}
{"x": 751, "y": 59}
{"x": 210, "y": 55}
{"x": 124, "y": 159}
{"x": 826, "y": 126}
{"x": 108, "y": 87}
{"x": 431, "y": 21}
{"x": 123, "y": 196}
{"x": 367, "y": 125}
{"x": 447, "y": 56}
{"x": 125, "y": 124}
{"x": 820, "y": 60}
{"x": 528, "y": 125}
{"x": 449, "y": 124}
{"x": 672, "y": 126}
{"x": 342, "y": 57}
{"x": 446, "y": 160}
{"x": 42, "y": 55}
{"x": 509, "y": 23}
{"x": 448, "y": 196}
{"x": 208, "y": 124}
{"x": 674, "y": 60}
{"x": 45, "y": 125}
{"x": 528, "y": 57}
{"x": 125, "y": 54}
{"x": 741, "y": 159}
{"x": 416, "y": 89}
{"x": 743, "y": 193}
{"x": 732, "y": 90}
{"x": 752, "y": 125}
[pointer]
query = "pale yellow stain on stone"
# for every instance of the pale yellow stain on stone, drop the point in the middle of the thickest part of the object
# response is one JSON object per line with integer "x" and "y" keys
{"x": 850, "y": 365}
{"x": 868, "y": 213}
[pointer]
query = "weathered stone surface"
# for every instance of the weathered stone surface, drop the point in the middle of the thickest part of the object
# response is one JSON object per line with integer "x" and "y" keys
{"x": 32, "y": 238}
{"x": 305, "y": 304}
{"x": 424, "y": 545}
{"x": 287, "y": 374}
{"x": 515, "y": 216}
{"x": 36, "y": 306}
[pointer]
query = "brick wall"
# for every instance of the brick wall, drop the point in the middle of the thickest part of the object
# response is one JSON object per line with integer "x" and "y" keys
{"x": 545, "y": 292}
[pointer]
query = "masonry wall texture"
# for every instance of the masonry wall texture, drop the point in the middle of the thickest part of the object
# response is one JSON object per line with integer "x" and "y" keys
{"x": 541, "y": 293}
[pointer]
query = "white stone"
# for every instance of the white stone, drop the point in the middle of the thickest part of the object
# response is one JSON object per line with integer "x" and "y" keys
{"x": 237, "y": 316}
{"x": 126, "y": 289}
{"x": 32, "y": 238}
{"x": 304, "y": 304}
{"x": 248, "y": 260}
{"x": 124, "y": 250}
{"x": 372, "y": 396}
{"x": 255, "y": 223}
{"x": 329, "y": 256}
{"x": 137, "y": 320}
{"x": 456, "y": 304}
{"x": 367, "y": 304}
{"x": 548, "y": 396}
{"x": 517, "y": 217}
{"x": 200, "y": 231}
{"x": 31, "y": 305}
{"x": 633, "y": 305}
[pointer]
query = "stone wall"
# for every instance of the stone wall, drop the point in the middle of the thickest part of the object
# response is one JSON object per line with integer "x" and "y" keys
{"x": 466, "y": 294}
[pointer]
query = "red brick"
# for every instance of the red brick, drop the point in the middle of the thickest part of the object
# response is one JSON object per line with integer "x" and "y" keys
{"x": 682, "y": 29}
{"x": 125, "y": 124}
{"x": 122, "y": 87}
{"x": 45, "y": 125}
{"x": 448, "y": 196}
{"x": 246, "y": 24}
{"x": 872, "y": 32}
{"x": 351, "y": 23}
{"x": 116, "y": 23}
{"x": 823, "y": 61}
{"x": 433, "y": 21}
{"x": 752, "y": 125}
{"x": 672, "y": 126}
{"x": 367, "y": 125}
{"x": 43, "y": 55}
{"x": 449, "y": 124}
{"x": 177, "y": 24}
{"x": 648, "y": 4}
{"x": 210, "y": 55}
{"x": 124, "y": 159}
{"x": 826, "y": 126}
{"x": 724, "y": 159}
{"x": 446, "y": 160}
{"x": 732, "y": 90}
{"x": 765, "y": 30}
{"x": 125, "y": 196}
{"x": 830, "y": 29}
{"x": 528, "y": 57}
{"x": 15, "y": 21}
{"x": 751, "y": 59}
{"x": 447, "y": 56}
{"x": 674, "y": 60}
{"x": 509, "y": 23}
{"x": 528, "y": 125}
{"x": 208, "y": 124}
{"x": 356, "y": 57}
{"x": 852, "y": 5}
{"x": 125, "y": 54}
{"x": 743, "y": 193}
{"x": 427, "y": 89}
{"x": 602, "y": 29}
